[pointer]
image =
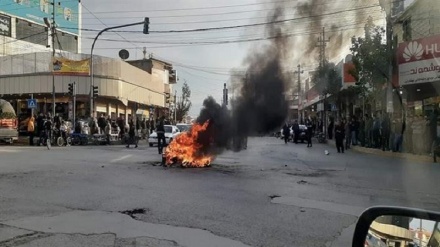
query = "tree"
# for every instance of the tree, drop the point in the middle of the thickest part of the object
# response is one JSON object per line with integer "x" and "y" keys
{"x": 183, "y": 103}
{"x": 327, "y": 79}
{"x": 371, "y": 57}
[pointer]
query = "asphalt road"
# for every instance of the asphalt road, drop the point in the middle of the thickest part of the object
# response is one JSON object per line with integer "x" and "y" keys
{"x": 269, "y": 195}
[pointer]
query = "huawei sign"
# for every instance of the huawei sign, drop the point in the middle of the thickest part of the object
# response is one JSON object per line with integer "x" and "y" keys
{"x": 413, "y": 50}
{"x": 421, "y": 49}
{"x": 419, "y": 61}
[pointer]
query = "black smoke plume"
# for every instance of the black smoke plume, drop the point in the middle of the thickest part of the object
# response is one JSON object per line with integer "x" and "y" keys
{"x": 260, "y": 106}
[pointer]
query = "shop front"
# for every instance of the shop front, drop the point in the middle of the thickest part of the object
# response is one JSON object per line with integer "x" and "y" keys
{"x": 419, "y": 79}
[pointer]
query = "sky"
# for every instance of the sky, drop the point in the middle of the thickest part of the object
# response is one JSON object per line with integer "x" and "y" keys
{"x": 206, "y": 67}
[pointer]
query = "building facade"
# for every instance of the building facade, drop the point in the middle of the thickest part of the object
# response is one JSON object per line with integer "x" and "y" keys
{"x": 123, "y": 90}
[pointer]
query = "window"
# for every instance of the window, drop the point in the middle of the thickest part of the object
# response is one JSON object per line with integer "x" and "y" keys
{"x": 5, "y": 25}
{"x": 67, "y": 41}
{"x": 406, "y": 26}
{"x": 31, "y": 32}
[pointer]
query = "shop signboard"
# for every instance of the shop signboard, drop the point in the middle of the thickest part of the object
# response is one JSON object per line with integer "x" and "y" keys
{"x": 66, "y": 12}
{"x": 64, "y": 66}
{"x": 419, "y": 61}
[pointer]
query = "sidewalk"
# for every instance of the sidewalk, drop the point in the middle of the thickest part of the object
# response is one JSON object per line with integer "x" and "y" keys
{"x": 406, "y": 156}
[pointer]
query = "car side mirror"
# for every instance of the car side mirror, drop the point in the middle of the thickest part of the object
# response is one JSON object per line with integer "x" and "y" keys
{"x": 397, "y": 226}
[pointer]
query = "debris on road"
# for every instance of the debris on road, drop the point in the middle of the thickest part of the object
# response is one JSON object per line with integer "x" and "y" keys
{"x": 274, "y": 196}
{"x": 133, "y": 212}
{"x": 301, "y": 182}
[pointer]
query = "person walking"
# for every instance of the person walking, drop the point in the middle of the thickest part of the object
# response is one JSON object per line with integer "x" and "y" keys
{"x": 131, "y": 134}
{"x": 286, "y": 133}
{"x": 31, "y": 130}
{"x": 160, "y": 130}
{"x": 309, "y": 133}
{"x": 376, "y": 132}
{"x": 339, "y": 137}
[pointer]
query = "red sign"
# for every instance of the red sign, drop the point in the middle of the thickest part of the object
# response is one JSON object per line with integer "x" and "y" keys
{"x": 348, "y": 77}
{"x": 419, "y": 61}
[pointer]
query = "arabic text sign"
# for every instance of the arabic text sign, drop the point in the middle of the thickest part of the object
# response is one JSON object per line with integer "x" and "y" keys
{"x": 66, "y": 12}
{"x": 63, "y": 66}
{"x": 419, "y": 61}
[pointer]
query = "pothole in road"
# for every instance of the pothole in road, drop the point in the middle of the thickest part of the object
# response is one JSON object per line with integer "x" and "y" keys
{"x": 133, "y": 212}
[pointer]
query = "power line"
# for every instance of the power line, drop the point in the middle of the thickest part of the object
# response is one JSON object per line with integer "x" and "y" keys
{"x": 243, "y": 26}
{"x": 107, "y": 26}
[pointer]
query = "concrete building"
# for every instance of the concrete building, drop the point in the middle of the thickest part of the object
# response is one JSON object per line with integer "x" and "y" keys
{"x": 23, "y": 28}
{"x": 417, "y": 37}
{"x": 124, "y": 90}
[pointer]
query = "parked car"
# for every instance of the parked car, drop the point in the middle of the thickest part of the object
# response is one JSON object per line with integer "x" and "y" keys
{"x": 171, "y": 132}
{"x": 8, "y": 122}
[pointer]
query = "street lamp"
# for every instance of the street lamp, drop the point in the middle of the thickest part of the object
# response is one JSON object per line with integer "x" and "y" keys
{"x": 146, "y": 23}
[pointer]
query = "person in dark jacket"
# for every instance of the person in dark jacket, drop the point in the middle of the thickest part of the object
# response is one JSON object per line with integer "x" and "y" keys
{"x": 296, "y": 131}
{"x": 330, "y": 129}
{"x": 309, "y": 133}
{"x": 160, "y": 130}
{"x": 286, "y": 133}
{"x": 339, "y": 136}
{"x": 131, "y": 134}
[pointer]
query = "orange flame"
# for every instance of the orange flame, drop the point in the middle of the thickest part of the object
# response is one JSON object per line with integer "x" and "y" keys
{"x": 185, "y": 149}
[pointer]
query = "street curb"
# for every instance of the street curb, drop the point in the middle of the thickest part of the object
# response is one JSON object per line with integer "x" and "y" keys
{"x": 379, "y": 152}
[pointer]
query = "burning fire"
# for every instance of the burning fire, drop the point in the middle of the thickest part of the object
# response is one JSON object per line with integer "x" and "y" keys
{"x": 185, "y": 149}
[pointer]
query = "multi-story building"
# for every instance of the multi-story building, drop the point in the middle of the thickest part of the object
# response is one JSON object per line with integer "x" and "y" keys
{"x": 25, "y": 26}
{"x": 27, "y": 68}
{"x": 417, "y": 37}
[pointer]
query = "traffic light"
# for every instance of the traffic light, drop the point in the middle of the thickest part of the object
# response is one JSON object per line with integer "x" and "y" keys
{"x": 95, "y": 91}
{"x": 70, "y": 88}
{"x": 146, "y": 25}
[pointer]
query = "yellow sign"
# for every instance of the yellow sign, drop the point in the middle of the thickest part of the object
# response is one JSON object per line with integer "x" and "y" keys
{"x": 64, "y": 66}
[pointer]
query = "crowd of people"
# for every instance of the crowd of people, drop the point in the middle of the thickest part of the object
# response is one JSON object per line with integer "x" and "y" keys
{"x": 415, "y": 134}
{"x": 44, "y": 126}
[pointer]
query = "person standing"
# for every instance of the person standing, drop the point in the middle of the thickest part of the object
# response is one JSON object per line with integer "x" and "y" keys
{"x": 286, "y": 132}
{"x": 353, "y": 131}
{"x": 160, "y": 130}
{"x": 386, "y": 132}
{"x": 347, "y": 133}
{"x": 152, "y": 126}
{"x": 295, "y": 131}
{"x": 330, "y": 129}
{"x": 31, "y": 130}
{"x": 107, "y": 131}
{"x": 309, "y": 133}
{"x": 376, "y": 132}
{"x": 339, "y": 136}
{"x": 131, "y": 134}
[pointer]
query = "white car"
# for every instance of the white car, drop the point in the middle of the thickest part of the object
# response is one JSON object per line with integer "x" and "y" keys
{"x": 171, "y": 132}
{"x": 183, "y": 127}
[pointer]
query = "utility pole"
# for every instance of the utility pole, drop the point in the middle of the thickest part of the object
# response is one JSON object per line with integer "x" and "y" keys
{"x": 175, "y": 106}
{"x": 225, "y": 95}
{"x": 299, "y": 72}
{"x": 322, "y": 44}
{"x": 53, "y": 28}
{"x": 74, "y": 103}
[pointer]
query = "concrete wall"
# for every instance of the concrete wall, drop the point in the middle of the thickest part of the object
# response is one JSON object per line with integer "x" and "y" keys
{"x": 425, "y": 20}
